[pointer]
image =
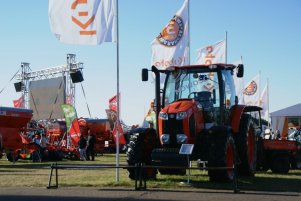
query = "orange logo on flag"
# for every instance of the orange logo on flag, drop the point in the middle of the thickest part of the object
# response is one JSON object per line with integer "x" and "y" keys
{"x": 172, "y": 33}
{"x": 251, "y": 89}
{"x": 85, "y": 25}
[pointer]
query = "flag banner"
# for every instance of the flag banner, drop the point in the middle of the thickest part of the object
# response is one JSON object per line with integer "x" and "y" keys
{"x": 264, "y": 103}
{"x": 118, "y": 127}
{"x": 211, "y": 54}
{"x": 82, "y": 22}
{"x": 239, "y": 83}
{"x": 171, "y": 47}
{"x": 74, "y": 132}
{"x": 70, "y": 115}
{"x": 113, "y": 103}
{"x": 72, "y": 124}
{"x": 251, "y": 92}
{"x": 19, "y": 103}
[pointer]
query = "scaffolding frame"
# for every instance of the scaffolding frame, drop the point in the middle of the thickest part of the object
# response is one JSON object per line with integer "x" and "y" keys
{"x": 28, "y": 75}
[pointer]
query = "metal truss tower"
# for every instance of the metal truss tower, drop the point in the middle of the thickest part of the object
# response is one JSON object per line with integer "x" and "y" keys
{"x": 28, "y": 75}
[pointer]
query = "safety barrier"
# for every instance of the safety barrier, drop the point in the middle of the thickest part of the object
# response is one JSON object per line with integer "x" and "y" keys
{"x": 140, "y": 180}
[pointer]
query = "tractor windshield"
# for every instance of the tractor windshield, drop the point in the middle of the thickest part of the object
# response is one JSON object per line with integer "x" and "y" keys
{"x": 199, "y": 84}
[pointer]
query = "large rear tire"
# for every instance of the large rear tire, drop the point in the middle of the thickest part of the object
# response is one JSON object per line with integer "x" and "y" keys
{"x": 245, "y": 142}
{"x": 222, "y": 155}
{"x": 139, "y": 150}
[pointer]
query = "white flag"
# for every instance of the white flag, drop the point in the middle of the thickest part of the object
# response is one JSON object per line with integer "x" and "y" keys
{"x": 171, "y": 48}
{"x": 264, "y": 103}
{"x": 211, "y": 54}
{"x": 251, "y": 92}
{"x": 239, "y": 84}
{"x": 83, "y": 22}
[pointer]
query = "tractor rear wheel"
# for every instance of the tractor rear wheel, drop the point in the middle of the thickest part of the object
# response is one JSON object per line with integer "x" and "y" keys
{"x": 222, "y": 155}
{"x": 245, "y": 142}
{"x": 139, "y": 150}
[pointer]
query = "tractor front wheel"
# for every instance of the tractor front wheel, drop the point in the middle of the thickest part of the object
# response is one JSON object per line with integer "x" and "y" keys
{"x": 222, "y": 157}
{"x": 139, "y": 151}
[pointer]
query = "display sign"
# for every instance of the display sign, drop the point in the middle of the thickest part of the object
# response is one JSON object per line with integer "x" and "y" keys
{"x": 186, "y": 149}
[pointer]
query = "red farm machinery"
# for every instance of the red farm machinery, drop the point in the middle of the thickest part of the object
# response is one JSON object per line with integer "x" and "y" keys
{"x": 279, "y": 153}
{"x": 13, "y": 122}
{"x": 198, "y": 106}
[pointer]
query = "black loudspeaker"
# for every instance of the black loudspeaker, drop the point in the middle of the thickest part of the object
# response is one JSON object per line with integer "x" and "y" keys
{"x": 18, "y": 86}
{"x": 76, "y": 76}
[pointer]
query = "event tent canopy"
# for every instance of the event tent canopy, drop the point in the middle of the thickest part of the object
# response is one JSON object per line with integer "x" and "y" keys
{"x": 279, "y": 118}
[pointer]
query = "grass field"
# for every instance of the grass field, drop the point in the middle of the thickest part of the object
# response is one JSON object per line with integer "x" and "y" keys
{"x": 24, "y": 173}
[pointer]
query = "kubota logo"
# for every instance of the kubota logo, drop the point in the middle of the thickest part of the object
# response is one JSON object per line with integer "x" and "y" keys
{"x": 251, "y": 89}
{"x": 83, "y": 14}
{"x": 172, "y": 33}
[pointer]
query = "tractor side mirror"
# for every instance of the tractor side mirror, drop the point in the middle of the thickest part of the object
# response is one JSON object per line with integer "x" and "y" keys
{"x": 144, "y": 74}
{"x": 240, "y": 70}
{"x": 214, "y": 96}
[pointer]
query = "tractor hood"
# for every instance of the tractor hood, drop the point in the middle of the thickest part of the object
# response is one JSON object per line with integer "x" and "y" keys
{"x": 181, "y": 105}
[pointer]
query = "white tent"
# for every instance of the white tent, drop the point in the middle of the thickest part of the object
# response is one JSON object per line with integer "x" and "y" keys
{"x": 280, "y": 118}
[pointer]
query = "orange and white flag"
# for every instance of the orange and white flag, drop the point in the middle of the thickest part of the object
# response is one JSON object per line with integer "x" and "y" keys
{"x": 212, "y": 54}
{"x": 83, "y": 22}
{"x": 251, "y": 92}
{"x": 171, "y": 46}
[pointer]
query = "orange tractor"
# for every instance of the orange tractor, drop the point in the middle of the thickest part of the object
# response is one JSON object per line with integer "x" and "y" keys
{"x": 198, "y": 106}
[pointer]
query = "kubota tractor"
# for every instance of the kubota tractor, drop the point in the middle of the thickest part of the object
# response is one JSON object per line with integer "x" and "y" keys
{"x": 198, "y": 105}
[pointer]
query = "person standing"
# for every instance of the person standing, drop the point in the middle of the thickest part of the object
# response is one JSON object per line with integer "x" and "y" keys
{"x": 91, "y": 145}
{"x": 82, "y": 144}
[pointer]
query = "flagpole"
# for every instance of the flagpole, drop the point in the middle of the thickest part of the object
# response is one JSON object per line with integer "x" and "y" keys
{"x": 118, "y": 108}
{"x": 188, "y": 32}
{"x": 226, "y": 38}
{"x": 268, "y": 100}
{"x": 259, "y": 88}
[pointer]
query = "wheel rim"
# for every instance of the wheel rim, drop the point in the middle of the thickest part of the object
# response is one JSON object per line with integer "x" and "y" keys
{"x": 230, "y": 160}
{"x": 250, "y": 148}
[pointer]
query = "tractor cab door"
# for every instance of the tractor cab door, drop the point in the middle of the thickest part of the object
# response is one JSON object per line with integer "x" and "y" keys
{"x": 229, "y": 94}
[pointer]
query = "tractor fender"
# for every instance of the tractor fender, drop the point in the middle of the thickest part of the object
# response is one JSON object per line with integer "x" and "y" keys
{"x": 236, "y": 112}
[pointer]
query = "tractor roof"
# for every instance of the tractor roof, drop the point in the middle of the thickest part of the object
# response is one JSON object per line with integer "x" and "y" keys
{"x": 212, "y": 66}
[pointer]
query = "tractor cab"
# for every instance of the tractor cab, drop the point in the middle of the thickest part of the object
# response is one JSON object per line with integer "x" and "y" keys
{"x": 211, "y": 87}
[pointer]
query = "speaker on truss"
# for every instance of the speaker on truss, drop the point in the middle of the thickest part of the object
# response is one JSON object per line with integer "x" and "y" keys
{"x": 18, "y": 86}
{"x": 76, "y": 76}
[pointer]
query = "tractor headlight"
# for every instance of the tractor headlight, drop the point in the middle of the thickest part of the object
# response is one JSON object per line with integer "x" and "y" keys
{"x": 181, "y": 115}
{"x": 163, "y": 115}
{"x": 165, "y": 138}
{"x": 181, "y": 138}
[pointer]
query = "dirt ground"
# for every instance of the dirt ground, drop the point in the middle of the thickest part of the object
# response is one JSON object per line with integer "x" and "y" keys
{"x": 112, "y": 194}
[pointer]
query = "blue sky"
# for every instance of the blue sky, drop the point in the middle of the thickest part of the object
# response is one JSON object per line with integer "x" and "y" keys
{"x": 266, "y": 33}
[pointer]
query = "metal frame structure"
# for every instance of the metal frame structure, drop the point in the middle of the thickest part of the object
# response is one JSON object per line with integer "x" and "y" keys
{"x": 28, "y": 75}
